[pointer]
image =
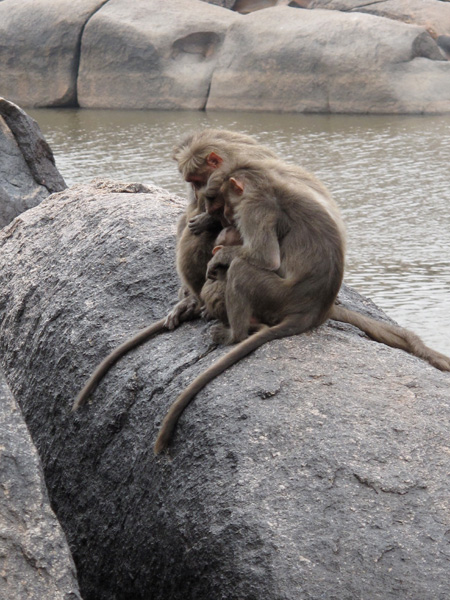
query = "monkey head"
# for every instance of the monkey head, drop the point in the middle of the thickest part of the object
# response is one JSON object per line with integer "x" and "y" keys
{"x": 220, "y": 262}
{"x": 228, "y": 236}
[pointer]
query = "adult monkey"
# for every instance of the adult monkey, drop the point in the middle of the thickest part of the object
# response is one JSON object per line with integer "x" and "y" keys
{"x": 196, "y": 237}
{"x": 287, "y": 274}
{"x": 220, "y": 151}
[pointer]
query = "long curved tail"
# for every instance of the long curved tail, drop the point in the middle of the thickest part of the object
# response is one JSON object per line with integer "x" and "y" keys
{"x": 391, "y": 335}
{"x": 112, "y": 358}
{"x": 291, "y": 325}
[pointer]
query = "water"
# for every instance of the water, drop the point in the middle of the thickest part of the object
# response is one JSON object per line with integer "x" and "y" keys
{"x": 389, "y": 174}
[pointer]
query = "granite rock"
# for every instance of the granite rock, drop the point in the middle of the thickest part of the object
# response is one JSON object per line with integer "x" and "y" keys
{"x": 151, "y": 54}
{"x": 329, "y": 61}
{"x": 40, "y": 49}
{"x": 35, "y": 561}
{"x": 315, "y": 468}
{"x": 27, "y": 169}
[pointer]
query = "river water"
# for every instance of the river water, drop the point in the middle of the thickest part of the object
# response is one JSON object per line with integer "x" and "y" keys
{"x": 389, "y": 174}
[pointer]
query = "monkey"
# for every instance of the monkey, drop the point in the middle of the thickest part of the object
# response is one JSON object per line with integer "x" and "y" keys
{"x": 192, "y": 155}
{"x": 288, "y": 271}
{"x": 213, "y": 291}
{"x": 252, "y": 293}
{"x": 198, "y": 156}
{"x": 213, "y": 295}
{"x": 196, "y": 237}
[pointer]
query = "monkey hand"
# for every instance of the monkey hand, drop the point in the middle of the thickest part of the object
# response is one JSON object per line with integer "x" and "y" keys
{"x": 186, "y": 309}
{"x": 202, "y": 222}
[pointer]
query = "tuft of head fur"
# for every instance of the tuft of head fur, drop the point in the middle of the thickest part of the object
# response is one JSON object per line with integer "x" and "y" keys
{"x": 191, "y": 152}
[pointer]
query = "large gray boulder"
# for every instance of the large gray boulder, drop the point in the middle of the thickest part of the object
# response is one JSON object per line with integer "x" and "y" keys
{"x": 35, "y": 562}
{"x": 40, "y": 49}
{"x": 329, "y": 61}
{"x": 316, "y": 468}
{"x": 434, "y": 15}
{"x": 151, "y": 54}
{"x": 27, "y": 167}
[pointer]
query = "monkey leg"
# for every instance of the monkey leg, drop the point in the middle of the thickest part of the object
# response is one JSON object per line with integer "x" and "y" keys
{"x": 185, "y": 310}
{"x": 252, "y": 293}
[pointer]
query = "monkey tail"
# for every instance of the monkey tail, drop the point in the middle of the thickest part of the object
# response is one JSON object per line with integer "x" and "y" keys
{"x": 112, "y": 358}
{"x": 391, "y": 335}
{"x": 291, "y": 325}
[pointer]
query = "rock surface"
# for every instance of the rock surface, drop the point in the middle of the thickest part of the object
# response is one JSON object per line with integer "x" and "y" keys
{"x": 328, "y": 61}
{"x": 434, "y": 15}
{"x": 27, "y": 169}
{"x": 316, "y": 468}
{"x": 151, "y": 54}
{"x": 168, "y": 55}
{"x": 35, "y": 562}
{"x": 40, "y": 48}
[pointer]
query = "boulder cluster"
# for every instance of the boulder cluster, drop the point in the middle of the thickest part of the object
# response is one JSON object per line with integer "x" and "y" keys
{"x": 301, "y": 56}
{"x": 315, "y": 468}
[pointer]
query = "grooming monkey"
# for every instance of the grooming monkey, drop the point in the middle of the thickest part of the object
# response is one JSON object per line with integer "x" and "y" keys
{"x": 196, "y": 237}
{"x": 199, "y": 157}
{"x": 192, "y": 157}
{"x": 287, "y": 273}
{"x": 220, "y": 151}
{"x": 285, "y": 278}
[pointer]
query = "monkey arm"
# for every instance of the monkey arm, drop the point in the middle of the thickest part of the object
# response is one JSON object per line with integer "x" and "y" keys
{"x": 258, "y": 228}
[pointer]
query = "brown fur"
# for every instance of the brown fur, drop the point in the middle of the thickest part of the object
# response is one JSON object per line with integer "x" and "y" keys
{"x": 287, "y": 273}
{"x": 196, "y": 231}
{"x": 238, "y": 291}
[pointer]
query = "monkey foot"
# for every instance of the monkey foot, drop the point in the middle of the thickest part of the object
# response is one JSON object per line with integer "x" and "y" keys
{"x": 184, "y": 310}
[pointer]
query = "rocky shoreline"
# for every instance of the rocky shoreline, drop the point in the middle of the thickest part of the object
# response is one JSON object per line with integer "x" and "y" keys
{"x": 305, "y": 56}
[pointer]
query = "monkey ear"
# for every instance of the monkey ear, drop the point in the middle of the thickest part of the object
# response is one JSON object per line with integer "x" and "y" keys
{"x": 213, "y": 160}
{"x": 237, "y": 186}
{"x": 216, "y": 249}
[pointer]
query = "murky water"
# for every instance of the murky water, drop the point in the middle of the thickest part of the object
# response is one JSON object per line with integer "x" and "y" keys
{"x": 390, "y": 176}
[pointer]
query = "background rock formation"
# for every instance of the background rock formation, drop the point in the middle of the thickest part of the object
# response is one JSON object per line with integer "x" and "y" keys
{"x": 291, "y": 57}
{"x": 151, "y": 54}
{"x": 40, "y": 49}
{"x": 317, "y": 467}
{"x": 434, "y": 15}
{"x": 328, "y": 61}
{"x": 27, "y": 168}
